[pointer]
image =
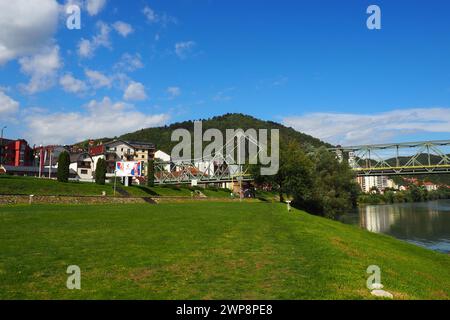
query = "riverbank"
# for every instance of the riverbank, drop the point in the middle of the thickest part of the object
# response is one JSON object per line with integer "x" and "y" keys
{"x": 204, "y": 250}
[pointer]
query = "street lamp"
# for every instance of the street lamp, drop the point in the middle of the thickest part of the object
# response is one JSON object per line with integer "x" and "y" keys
{"x": 1, "y": 145}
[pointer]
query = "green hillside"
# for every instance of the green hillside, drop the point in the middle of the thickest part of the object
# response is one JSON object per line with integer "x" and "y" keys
{"x": 161, "y": 135}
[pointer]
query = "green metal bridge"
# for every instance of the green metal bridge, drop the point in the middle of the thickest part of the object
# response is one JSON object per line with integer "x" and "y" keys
{"x": 407, "y": 158}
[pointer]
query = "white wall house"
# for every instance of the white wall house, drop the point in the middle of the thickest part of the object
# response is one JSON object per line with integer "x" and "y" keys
{"x": 82, "y": 164}
{"x": 164, "y": 157}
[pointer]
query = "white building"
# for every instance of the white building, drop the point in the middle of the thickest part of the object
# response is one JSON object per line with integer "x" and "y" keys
{"x": 161, "y": 155}
{"x": 83, "y": 165}
{"x": 380, "y": 182}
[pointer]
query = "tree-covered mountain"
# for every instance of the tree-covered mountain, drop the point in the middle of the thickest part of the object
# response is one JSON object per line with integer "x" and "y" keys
{"x": 161, "y": 136}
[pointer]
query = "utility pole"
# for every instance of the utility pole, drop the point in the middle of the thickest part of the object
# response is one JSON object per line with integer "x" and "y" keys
{"x": 1, "y": 145}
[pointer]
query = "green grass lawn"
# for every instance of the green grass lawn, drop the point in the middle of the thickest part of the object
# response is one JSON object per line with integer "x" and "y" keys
{"x": 31, "y": 185}
{"x": 204, "y": 251}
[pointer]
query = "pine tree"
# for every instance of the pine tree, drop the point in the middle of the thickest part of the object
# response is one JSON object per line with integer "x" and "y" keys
{"x": 151, "y": 173}
{"x": 63, "y": 167}
{"x": 100, "y": 171}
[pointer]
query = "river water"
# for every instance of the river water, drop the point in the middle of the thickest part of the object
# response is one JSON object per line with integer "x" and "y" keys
{"x": 426, "y": 224}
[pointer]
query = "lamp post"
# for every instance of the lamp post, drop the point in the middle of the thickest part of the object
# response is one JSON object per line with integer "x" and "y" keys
{"x": 1, "y": 145}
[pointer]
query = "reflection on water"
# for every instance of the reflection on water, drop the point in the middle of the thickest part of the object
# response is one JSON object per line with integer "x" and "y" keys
{"x": 426, "y": 223}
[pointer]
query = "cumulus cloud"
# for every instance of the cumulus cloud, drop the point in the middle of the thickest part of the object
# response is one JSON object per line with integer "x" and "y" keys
{"x": 350, "y": 129}
{"x": 158, "y": 18}
{"x": 8, "y": 105}
{"x": 95, "y": 6}
{"x": 183, "y": 49}
{"x": 129, "y": 62}
{"x": 42, "y": 69}
{"x": 71, "y": 84}
{"x": 86, "y": 48}
{"x": 98, "y": 79}
{"x": 26, "y": 27}
{"x": 173, "y": 91}
{"x": 135, "y": 91}
{"x": 94, "y": 121}
{"x": 122, "y": 28}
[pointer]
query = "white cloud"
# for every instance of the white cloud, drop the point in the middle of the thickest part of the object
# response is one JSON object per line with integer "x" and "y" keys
{"x": 173, "y": 91}
{"x": 86, "y": 48}
{"x": 98, "y": 79}
{"x": 223, "y": 95}
{"x": 42, "y": 68}
{"x": 8, "y": 105}
{"x": 26, "y": 27}
{"x": 160, "y": 18}
{"x": 98, "y": 119}
{"x": 122, "y": 28}
{"x": 350, "y": 129}
{"x": 182, "y": 49}
{"x": 135, "y": 91}
{"x": 95, "y": 6}
{"x": 129, "y": 62}
{"x": 71, "y": 84}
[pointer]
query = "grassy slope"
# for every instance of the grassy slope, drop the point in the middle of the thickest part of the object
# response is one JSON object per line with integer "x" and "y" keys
{"x": 30, "y": 185}
{"x": 205, "y": 251}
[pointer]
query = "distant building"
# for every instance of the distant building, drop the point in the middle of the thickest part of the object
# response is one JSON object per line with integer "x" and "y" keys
{"x": 83, "y": 165}
{"x": 161, "y": 155}
{"x": 367, "y": 183}
{"x": 430, "y": 186}
{"x": 120, "y": 150}
{"x": 16, "y": 153}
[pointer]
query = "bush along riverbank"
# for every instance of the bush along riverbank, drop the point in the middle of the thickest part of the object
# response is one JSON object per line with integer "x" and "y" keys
{"x": 412, "y": 194}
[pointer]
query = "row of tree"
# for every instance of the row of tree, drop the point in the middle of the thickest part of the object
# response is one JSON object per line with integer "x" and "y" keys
{"x": 412, "y": 194}
{"x": 314, "y": 179}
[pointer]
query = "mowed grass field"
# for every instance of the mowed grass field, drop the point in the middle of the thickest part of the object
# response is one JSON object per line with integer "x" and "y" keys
{"x": 204, "y": 250}
{"x": 30, "y": 185}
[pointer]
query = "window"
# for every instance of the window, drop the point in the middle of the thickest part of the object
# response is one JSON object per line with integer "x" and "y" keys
{"x": 143, "y": 156}
{"x": 84, "y": 171}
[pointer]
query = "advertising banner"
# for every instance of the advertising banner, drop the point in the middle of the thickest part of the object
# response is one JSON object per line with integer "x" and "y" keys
{"x": 128, "y": 169}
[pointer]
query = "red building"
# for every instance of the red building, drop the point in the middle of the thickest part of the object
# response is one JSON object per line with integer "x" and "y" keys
{"x": 16, "y": 153}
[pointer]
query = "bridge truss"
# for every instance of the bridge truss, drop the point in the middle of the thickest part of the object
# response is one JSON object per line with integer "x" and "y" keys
{"x": 408, "y": 158}
{"x": 219, "y": 168}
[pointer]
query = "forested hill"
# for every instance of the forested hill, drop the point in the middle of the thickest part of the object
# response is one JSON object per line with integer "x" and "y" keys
{"x": 161, "y": 135}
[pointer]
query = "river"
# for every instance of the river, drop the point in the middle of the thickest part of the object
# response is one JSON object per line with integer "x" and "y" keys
{"x": 426, "y": 224}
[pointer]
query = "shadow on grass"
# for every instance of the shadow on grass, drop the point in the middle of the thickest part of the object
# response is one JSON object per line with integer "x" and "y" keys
{"x": 148, "y": 191}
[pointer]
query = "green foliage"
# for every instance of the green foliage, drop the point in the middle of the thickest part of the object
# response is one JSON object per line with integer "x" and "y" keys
{"x": 100, "y": 171}
{"x": 63, "y": 167}
{"x": 161, "y": 135}
{"x": 412, "y": 194}
{"x": 151, "y": 173}
{"x": 315, "y": 180}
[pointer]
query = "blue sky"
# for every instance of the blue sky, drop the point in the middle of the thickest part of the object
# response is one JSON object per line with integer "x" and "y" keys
{"x": 313, "y": 65}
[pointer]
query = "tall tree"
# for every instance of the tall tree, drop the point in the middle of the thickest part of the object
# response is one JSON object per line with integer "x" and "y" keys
{"x": 63, "y": 167}
{"x": 100, "y": 171}
{"x": 151, "y": 173}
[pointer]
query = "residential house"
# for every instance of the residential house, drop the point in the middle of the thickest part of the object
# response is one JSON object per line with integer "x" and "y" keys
{"x": 83, "y": 166}
{"x": 120, "y": 150}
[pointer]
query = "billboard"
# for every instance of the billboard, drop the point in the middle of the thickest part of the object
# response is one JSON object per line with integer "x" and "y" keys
{"x": 128, "y": 169}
